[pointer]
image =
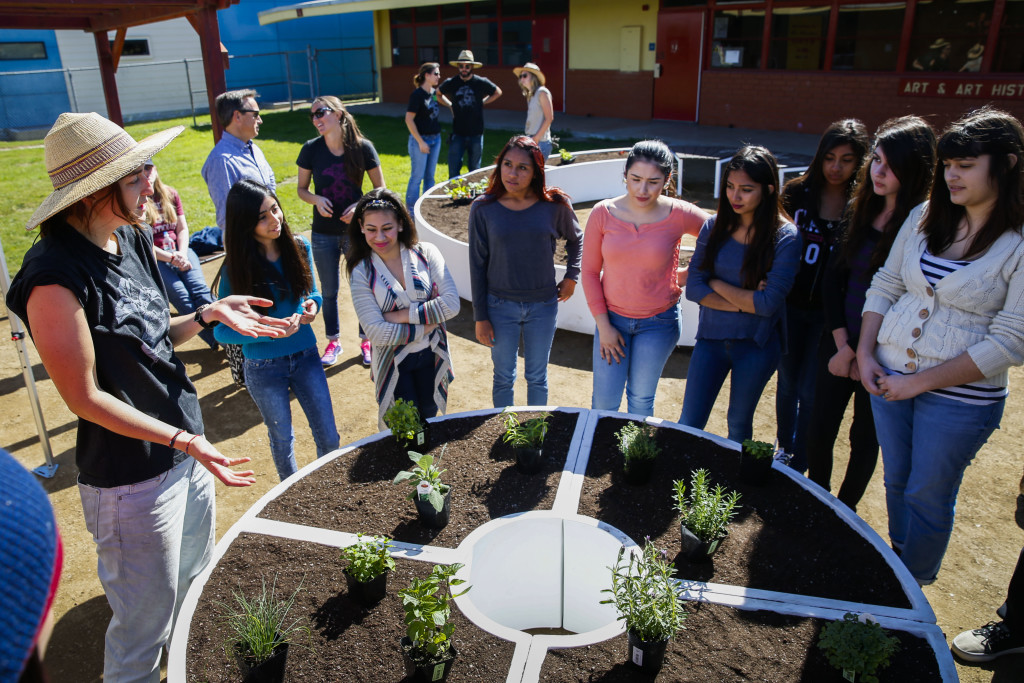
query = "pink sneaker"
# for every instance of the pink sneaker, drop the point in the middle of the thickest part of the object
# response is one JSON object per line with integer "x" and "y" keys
{"x": 330, "y": 356}
{"x": 365, "y": 348}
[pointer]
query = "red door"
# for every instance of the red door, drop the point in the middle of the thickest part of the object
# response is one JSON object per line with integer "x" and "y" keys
{"x": 677, "y": 65}
{"x": 549, "y": 54}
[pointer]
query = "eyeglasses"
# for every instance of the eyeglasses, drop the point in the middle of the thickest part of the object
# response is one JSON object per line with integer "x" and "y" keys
{"x": 319, "y": 113}
{"x": 524, "y": 75}
{"x": 249, "y": 111}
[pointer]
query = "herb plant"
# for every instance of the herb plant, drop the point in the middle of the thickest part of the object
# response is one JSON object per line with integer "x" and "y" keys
{"x": 461, "y": 190}
{"x": 565, "y": 154}
{"x": 645, "y": 594}
{"x": 425, "y": 471}
{"x": 527, "y": 434}
{"x": 857, "y": 644}
{"x": 428, "y": 612}
{"x": 759, "y": 450}
{"x": 706, "y": 511}
{"x": 403, "y": 419}
{"x": 259, "y": 625}
{"x": 636, "y": 442}
{"x": 368, "y": 559}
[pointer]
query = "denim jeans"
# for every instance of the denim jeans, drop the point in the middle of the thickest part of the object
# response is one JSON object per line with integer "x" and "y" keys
{"x": 187, "y": 290}
{"x": 535, "y": 321}
{"x": 647, "y": 343}
{"x": 927, "y": 443}
{"x": 798, "y": 370}
{"x": 415, "y": 382}
{"x": 473, "y": 145}
{"x": 327, "y": 253}
{"x": 545, "y": 148}
{"x": 269, "y": 380}
{"x": 423, "y": 166}
{"x": 152, "y": 539}
{"x": 751, "y": 365}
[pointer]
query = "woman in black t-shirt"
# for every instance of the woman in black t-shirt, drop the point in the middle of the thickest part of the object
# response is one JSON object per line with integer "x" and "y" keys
{"x": 424, "y": 132}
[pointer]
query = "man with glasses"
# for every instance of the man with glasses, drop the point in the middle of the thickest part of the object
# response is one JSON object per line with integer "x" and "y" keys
{"x": 466, "y": 95}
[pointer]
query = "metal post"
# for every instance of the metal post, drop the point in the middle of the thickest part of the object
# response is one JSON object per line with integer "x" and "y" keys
{"x": 310, "y": 65}
{"x": 288, "y": 80}
{"x": 71, "y": 87}
{"x": 18, "y": 337}
{"x": 191, "y": 100}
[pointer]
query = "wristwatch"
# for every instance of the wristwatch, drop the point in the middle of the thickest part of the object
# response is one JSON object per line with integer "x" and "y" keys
{"x": 198, "y": 317}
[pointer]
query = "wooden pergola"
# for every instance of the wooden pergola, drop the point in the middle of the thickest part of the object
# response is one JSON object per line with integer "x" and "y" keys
{"x": 100, "y": 16}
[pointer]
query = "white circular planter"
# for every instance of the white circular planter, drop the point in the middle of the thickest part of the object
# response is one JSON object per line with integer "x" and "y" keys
{"x": 583, "y": 181}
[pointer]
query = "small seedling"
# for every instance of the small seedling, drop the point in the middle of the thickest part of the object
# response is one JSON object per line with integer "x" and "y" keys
{"x": 706, "y": 512}
{"x": 425, "y": 472}
{"x": 857, "y": 645}
{"x": 527, "y": 434}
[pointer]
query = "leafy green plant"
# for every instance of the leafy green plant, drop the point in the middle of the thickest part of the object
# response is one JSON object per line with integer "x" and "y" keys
{"x": 706, "y": 511}
{"x": 636, "y": 442}
{"x": 428, "y": 612}
{"x": 526, "y": 434}
{"x": 259, "y": 625}
{"x": 759, "y": 450}
{"x": 857, "y": 644}
{"x": 566, "y": 155}
{"x": 425, "y": 471}
{"x": 368, "y": 559}
{"x": 645, "y": 594}
{"x": 403, "y": 419}
{"x": 462, "y": 189}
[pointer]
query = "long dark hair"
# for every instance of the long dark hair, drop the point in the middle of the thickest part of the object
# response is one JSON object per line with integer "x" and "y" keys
{"x": 908, "y": 143}
{"x": 845, "y": 132}
{"x": 379, "y": 199}
{"x": 983, "y": 131}
{"x": 496, "y": 188}
{"x": 245, "y": 263}
{"x": 351, "y": 138}
{"x": 654, "y": 152}
{"x": 758, "y": 163}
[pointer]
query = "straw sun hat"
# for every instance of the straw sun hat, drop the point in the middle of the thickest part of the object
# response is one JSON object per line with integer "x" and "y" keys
{"x": 466, "y": 57}
{"x": 531, "y": 68}
{"x": 85, "y": 152}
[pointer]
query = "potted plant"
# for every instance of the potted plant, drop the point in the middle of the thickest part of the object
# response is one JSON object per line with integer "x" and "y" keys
{"x": 459, "y": 192}
{"x": 647, "y": 598}
{"x": 857, "y": 645}
{"x": 705, "y": 514}
{"x": 403, "y": 419}
{"x": 566, "y": 157}
{"x": 367, "y": 570}
{"x": 427, "y": 644}
{"x": 260, "y": 632}
{"x": 527, "y": 440}
{"x": 636, "y": 443}
{"x": 432, "y": 498}
{"x": 756, "y": 461}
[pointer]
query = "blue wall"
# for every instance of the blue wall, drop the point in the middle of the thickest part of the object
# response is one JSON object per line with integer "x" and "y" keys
{"x": 27, "y": 100}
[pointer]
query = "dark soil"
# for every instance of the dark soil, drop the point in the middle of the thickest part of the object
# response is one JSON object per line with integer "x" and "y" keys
{"x": 726, "y": 644}
{"x": 767, "y": 546}
{"x": 355, "y": 493}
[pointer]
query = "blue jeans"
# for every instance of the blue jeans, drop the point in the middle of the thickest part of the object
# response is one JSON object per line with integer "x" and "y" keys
{"x": 187, "y": 290}
{"x": 327, "y": 253}
{"x": 798, "y": 371}
{"x": 751, "y": 365}
{"x": 473, "y": 145}
{"x": 647, "y": 343}
{"x": 423, "y": 166}
{"x": 927, "y": 443}
{"x": 268, "y": 381}
{"x": 545, "y": 148}
{"x": 152, "y": 539}
{"x": 415, "y": 381}
{"x": 535, "y": 321}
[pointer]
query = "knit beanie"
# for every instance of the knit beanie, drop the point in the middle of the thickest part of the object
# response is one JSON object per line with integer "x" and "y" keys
{"x": 30, "y": 559}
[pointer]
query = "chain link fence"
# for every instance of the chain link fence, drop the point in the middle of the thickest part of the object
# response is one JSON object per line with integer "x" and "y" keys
{"x": 30, "y": 101}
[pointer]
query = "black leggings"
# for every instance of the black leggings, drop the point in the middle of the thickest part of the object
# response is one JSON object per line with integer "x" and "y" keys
{"x": 1015, "y": 598}
{"x": 832, "y": 395}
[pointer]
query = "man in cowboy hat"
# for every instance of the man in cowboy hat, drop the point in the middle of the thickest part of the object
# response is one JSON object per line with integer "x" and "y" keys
{"x": 466, "y": 95}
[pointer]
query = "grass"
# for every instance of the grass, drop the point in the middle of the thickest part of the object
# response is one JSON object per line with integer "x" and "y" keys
{"x": 24, "y": 183}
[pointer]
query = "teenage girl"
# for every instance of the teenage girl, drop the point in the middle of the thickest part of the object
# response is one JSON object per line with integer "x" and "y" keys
{"x": 816, "y": 201}
{"x": 742, "y": 269}
{"x": 263, "y": 256}
{"x": 896, "y": 178}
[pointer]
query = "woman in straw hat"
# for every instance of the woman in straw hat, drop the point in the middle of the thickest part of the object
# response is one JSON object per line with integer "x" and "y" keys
{"x": 539, "y": 111}
{"x": 89, "y": 291}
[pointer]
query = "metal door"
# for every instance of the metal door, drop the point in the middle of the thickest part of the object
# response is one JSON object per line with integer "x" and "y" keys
{"x": 677, "y": 67}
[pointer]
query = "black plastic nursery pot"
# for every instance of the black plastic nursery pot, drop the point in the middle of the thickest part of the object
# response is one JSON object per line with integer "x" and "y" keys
{"x": 695, "y": 549}
{"x": 435, "y": 519}
{"x": 754, "y": 470}
{"x": 420, "y": 441}
{"x": 367, "y": 593}
{"x": 270, "y": 670}
{"x": 427, "y": 671}
{"x": 638, "y": 471}
{"x": 646, "y": 655}
{"x": 529, "y": 460}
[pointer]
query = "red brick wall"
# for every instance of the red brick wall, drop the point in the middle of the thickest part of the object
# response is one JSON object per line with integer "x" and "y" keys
{"x": 601, "y": 92}
{"x": 808, "y": 102}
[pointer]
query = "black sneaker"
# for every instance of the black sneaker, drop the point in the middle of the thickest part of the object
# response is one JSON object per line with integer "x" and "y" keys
{"x": 988, "y": 642}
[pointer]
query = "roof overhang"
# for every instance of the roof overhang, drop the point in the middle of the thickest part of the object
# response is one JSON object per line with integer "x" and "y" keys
{"x": 319, "y": 8}
{"x": 98, "y": 15}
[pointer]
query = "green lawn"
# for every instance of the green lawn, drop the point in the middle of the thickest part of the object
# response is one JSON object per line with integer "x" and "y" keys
{"x": 24, "y": 183}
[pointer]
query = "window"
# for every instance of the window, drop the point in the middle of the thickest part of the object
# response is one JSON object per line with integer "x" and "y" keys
{"x": 517, "y": 42}
{"x": 134, "y": 47}
{"x": 19, "y": 51}
{"x": 798, "y": 38}
{"x": 403, "y": 50}
{"x": 944, "y": 33}
{"x": 1009, "y": 54}
{"x": 428, "y": 45}
{"x": 554, "y": 7}
{"x": 736, "y": 38}
{"x": 868, "y": 37}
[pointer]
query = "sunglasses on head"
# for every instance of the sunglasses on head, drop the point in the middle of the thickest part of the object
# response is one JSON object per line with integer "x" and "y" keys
{"x": 320, "y": 113}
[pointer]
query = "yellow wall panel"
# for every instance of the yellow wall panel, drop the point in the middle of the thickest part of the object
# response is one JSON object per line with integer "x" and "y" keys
{"x": 595, "y": 28}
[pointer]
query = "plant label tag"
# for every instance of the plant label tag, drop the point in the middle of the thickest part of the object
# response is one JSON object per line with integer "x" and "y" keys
{"x": 424, "y": 489}
{"x": 420, "y": 438}
{"x": 849, "y": 675}
{"x": 638, "y": 656}
{"x": 438, "y": 672}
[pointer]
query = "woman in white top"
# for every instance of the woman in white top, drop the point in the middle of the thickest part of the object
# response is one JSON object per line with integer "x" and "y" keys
{"x": 539, "y": 111}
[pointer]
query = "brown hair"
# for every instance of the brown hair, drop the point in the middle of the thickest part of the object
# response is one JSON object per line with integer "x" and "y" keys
{"x": 425, "y": 68}
{"x": 351, "y": 138}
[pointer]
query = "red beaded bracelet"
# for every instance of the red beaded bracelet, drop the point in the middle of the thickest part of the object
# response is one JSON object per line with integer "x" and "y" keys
{"x": 175, "y": 437}
{"x": 189, "y": 444}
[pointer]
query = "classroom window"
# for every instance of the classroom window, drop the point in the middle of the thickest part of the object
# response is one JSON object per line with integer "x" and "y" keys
{"x": 945, "y": 32}
{"x": 868, "y": 37}
{"x": 798, "y": 38}
{"x": 736, "y": 38}
{"x": 20, "y": 51}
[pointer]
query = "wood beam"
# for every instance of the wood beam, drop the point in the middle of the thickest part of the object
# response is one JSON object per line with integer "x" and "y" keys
{"x": 107, "y": 78}
{"x": 118, "y": 47}
{"x": 209, "y": 41}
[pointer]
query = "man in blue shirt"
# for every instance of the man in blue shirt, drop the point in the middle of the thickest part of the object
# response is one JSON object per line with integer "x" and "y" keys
{"x": 236, "y": 156}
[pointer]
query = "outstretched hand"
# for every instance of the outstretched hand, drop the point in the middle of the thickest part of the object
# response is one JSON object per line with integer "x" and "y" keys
{"x": 236, "y": 312}
{"x": 219, "y": 465}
